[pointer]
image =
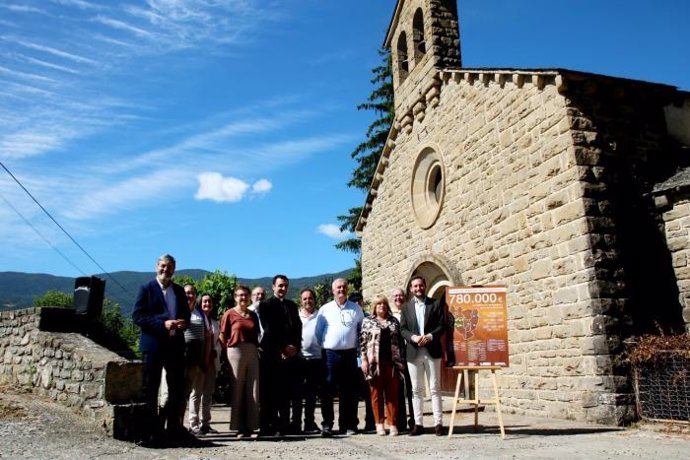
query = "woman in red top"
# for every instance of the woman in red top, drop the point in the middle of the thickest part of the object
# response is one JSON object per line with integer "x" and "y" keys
{"x": 240, "y": 335}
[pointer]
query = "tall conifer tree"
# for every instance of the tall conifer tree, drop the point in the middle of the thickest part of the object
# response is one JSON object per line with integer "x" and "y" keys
{"x": 367, "y": 154}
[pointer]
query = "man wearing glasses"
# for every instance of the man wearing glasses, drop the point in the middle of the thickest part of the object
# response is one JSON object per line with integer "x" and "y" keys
{"x": 338, "y": 325}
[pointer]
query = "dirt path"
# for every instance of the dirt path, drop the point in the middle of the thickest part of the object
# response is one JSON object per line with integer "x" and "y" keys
{"x": 34, "y": 428}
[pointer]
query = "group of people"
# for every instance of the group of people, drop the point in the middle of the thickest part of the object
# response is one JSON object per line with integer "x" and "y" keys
{"x": 284, "y": 357}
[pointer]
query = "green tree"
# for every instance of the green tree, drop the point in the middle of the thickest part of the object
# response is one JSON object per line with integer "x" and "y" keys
{"x": 323, "y": 291}
{"x": 118, "y": 333}
{"x": 111, "y": 330}
{"x": 54, "y": 299}
{"x": 367, "y": 155}
{"x": 218, "y": 284}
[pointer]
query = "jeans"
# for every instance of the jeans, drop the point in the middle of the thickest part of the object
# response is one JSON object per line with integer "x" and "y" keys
{"x": 341, "y": 379}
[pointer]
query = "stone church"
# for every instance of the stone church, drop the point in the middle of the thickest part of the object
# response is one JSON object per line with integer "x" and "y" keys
{"x": 568, "y": 187}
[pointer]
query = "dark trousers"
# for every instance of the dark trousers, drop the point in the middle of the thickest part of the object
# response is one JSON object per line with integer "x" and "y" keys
{"x": 364, "y": 394}
{"x": 405, "y": 417}
{"x": 277, "y": 379}
{"x": 172, "y": 360}
{"x": 341, "y": 379}
{"x": 310, "y": 376}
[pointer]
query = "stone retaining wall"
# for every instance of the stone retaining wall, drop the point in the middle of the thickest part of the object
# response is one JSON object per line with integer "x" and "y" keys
{"x": 70, "y": 369}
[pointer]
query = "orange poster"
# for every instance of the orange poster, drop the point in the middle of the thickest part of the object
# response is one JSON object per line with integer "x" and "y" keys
{"x": 477, "y": 316}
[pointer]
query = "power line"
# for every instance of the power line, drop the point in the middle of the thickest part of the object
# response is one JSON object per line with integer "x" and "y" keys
{"x": 103, "y": 270}
{"x": 26, "y": 221}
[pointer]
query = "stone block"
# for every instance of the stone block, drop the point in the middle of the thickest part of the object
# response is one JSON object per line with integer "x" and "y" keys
{"x": 124, "y": 382}
{"x": 129, "y": 422}
{"x": 57, "y": 319}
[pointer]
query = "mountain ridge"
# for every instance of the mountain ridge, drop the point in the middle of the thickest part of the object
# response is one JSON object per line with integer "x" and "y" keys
{"x": 19, "y": 289}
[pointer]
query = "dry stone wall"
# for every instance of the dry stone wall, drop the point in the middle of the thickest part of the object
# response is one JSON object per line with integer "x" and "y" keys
{"x": 71, "y": 369}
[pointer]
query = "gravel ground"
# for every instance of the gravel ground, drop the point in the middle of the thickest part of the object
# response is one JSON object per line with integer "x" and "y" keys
{"x": 34, "y": 428}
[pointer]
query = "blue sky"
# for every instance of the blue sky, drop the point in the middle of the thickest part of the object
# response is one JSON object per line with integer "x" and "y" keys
{"x": 221, "y": 131}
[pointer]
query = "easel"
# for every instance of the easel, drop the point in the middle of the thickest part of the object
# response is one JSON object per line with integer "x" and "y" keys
{"x": 463, "y": 381}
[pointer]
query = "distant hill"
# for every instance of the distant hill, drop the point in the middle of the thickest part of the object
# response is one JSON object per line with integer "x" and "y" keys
{"x": 18, "y": 290}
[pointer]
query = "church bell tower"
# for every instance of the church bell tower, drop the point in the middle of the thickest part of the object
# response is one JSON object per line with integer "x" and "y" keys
{"x": 423, "y": 37}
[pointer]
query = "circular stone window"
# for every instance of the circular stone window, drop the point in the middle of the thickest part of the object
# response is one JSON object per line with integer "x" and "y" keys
{"x": 428, "y": 187}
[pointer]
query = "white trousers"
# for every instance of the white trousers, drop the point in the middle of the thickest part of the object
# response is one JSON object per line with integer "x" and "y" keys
{"x": 424, "y": 363}
{"x": 203, "y": 387}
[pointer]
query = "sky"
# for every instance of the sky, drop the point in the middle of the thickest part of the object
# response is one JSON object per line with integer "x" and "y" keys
{"x": 221, "y": 131}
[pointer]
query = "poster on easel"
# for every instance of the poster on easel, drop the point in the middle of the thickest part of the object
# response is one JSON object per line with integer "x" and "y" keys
{"x": 478, "y": 326}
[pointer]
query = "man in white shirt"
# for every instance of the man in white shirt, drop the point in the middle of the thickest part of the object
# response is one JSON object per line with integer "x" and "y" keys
{"x": 338, "y": 325}
{"x": 311, "y": 371}
{"x": 258, "y": 294}
{"x": 422, "y": 325}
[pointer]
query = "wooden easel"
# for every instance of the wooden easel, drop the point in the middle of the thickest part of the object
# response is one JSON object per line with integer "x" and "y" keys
{"x": 463, "y": 381}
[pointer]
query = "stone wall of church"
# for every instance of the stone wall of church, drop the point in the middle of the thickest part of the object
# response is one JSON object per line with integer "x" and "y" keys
{"x": 513, "y": 213}
{"x": 677, "y": 229}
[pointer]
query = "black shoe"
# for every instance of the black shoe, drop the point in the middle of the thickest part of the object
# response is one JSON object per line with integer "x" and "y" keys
{"x": 369, "y": 429}
{"x": 327, "y": 432}
{"x": 438, "y": 429}
{"x": 207, "y": 430}
{"x": 294, "y": 429}
{"x": 417, "y": 430}
{"x": 245, "y": 433}
{"x": 157, "y": 441}
{"x": 410, "y": 423}
{"x": 311, "y": 429}
{"x": 266, "y": 433}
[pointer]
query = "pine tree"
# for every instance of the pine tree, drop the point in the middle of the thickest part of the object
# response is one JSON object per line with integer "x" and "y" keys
{"x": 367, "y": 155}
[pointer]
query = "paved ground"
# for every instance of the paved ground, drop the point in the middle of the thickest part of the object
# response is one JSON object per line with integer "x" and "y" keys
{"x": 33, "y": 428}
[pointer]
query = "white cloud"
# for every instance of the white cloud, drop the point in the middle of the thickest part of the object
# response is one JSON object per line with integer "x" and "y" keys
{"x": 28, "y": 143}
{"x": 333, "y": 231}
{"x": 121, "y": 25}
{"x": 262, "y": 186}
{"x": 79, "y": 4}
{"x": 99, "y": 197}
{"x": 56, "y": 52}
{"x": 213, "y": 186}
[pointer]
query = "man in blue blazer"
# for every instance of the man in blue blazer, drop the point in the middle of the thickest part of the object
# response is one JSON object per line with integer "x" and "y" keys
{"x": 161, "y": 311}
{"x": 422, "y": 325}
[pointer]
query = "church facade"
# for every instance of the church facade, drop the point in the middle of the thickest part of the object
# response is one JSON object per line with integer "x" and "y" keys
{"x": 543, "y": 180}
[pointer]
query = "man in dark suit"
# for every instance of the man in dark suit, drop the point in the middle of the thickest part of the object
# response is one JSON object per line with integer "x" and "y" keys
{"x": 279, "y": 346}
{"x": 161, "y": 311}
{"x": 422, "y": 326}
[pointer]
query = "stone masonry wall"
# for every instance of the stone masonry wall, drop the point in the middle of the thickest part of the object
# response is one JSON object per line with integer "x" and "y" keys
{"x": 677, "y": 220}
{"x": 514, "y": 214}
{"x": 70, "y": 369}
{"x": 622, "y": 151}
{"x": 442, "y": 42}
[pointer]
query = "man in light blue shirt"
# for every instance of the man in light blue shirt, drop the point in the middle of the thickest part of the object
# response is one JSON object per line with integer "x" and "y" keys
{"x": 338, "y": 325}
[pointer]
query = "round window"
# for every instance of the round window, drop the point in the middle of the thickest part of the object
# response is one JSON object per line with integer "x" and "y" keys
{"x": 428, "y": 187}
